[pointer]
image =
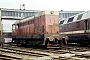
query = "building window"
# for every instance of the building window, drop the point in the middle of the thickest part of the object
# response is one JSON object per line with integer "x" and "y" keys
{"x": 3, "y": 13}
{"x": 64, "y": 16}
{"x": 16, "y": 14}
{"x": 19, "y": 14}
{"x": 78, "y": 24}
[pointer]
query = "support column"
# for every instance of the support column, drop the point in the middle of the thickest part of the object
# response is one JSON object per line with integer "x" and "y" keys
{"x": 0, "y": 24}
{"x": 2, "y": 40}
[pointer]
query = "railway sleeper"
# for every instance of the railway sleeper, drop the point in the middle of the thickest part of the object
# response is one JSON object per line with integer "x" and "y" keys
{"x": 25, "y": 52}
{"x": 10, "y": 57}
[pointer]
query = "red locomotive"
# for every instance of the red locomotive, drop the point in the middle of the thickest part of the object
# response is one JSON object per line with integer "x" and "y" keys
{"x": 76, "y": 29}
{"x": 39, "y": 29}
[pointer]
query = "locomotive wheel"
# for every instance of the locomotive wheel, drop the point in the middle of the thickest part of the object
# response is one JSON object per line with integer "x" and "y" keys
{"x": 64, "y": 41}
{"x": 47, "y": 41}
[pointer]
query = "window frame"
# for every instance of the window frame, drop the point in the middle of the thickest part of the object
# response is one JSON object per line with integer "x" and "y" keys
{"x": 79, "y": 16}
{"x": 70, "y": 19}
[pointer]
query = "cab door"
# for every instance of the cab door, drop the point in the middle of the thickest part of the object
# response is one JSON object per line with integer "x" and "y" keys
{"x": 86, "y": 27}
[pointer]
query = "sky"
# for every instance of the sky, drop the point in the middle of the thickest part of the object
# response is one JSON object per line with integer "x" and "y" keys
{"x": 53, "y": 5}
{"x": 56, "y": 5}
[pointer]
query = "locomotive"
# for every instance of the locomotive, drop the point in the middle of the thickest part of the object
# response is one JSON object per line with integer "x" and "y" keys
{"x": 38, "y": 29}
{"x": 76, "y": 29}
{"x": 2, "y": 40}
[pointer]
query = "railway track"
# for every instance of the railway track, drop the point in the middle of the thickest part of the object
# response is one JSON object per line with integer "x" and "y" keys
{"x": 65, "y": 53}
